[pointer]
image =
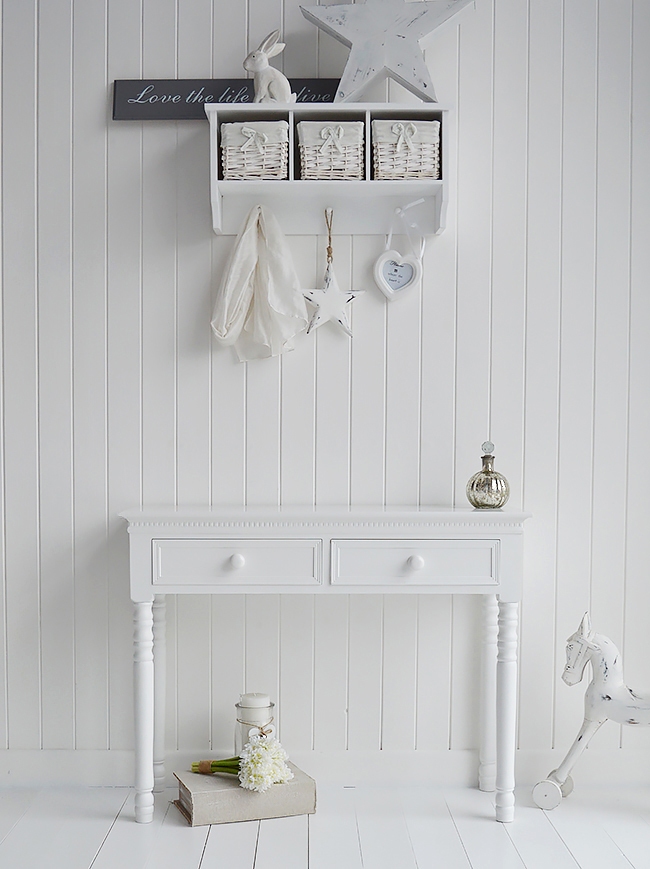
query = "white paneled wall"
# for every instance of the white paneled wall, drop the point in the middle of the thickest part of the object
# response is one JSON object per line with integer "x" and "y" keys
{"x": 531, "y": 328}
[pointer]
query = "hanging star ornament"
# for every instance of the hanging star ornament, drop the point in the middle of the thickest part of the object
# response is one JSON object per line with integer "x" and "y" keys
{"x": 330, "y": 303}
{"x": 384, "y": 40}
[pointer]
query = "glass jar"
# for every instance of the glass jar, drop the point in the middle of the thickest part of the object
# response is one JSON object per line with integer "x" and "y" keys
{"x": 488, "y": 489}
{"x": 254, "y": 715}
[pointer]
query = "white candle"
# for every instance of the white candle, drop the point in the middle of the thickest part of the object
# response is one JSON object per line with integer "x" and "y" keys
{"x": 254, "y": 708}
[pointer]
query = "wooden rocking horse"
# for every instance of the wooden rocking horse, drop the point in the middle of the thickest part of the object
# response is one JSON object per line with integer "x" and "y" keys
{"x": 607, "y": 697}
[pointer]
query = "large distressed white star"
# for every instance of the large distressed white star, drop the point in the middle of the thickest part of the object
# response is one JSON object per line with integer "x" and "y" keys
{"x": 330, "y": 303}
{"x": 384, "y": 40}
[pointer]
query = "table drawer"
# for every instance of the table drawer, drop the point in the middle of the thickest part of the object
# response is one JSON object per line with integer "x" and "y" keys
{"x": 237, "y": 562}
{"x": 415, "y": 562}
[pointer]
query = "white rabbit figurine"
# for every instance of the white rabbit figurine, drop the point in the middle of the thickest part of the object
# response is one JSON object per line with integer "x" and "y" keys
{"x": 271, "y": 86}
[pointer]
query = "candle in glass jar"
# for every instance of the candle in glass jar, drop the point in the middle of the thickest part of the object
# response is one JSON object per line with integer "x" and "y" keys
{"x": 254, "y": 714}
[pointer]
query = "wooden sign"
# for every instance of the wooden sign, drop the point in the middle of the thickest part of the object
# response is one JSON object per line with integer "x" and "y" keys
{"x": 183, "y": 99}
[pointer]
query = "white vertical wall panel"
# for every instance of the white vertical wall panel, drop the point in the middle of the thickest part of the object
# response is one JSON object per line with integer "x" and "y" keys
{"x": 263, "y": 644}
{"x": 577, "y": 337}
{"x": 4, "y": 708}
{"x": 637, "y": 589}
{"x": 295, "y": 690}
{"x": 473, "y": 316}
{"x": 331, "y": 645}
{"x": 228, "y": 419}
{"x": 298, "y": 409}
{"x": 365, "y": 669}
{"x": 474, "y": 202}
{"x": 530, "y": 327}
{"x": 124, "y": 217}
{"x": 399, "y": 672}
{"x": 332, "y": 398}
{"x": 403, "y": 390}
{"x": 192, "y": 364}
{"x": 465, "y": 669}
{"x": 368, "y": 370}
{"x": 20, "y": 373}
{"x": 227, "y": 665}
{"x": 438, "y": 304}
{"x": 263, "y": 377}
{"x": 612, "y": 324}
{"x": 543, "y": 220}
{"x": 508, "y": 266}
{"x": 54, "y": 234}
{"x": 433, "y": 672}
{"x": 90, "y": 295}
{"x": 228, "y": 377}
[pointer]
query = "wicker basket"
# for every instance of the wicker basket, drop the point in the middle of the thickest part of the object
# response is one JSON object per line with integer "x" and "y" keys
{"x": 331, "y": 150}
{"x": 406, "y": 149}
{"x": 254, "y": 150}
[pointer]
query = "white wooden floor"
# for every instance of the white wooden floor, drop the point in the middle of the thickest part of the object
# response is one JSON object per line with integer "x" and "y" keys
{"x": 354, "y": 828}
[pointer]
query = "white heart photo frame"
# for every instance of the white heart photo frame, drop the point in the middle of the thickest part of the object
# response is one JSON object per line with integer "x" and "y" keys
{"x": 395, "y": 273}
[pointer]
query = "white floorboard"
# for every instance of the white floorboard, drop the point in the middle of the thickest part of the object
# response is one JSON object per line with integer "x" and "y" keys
{"x": 333, "y": 832}
{"x": 13, "y": 805}
{"x": 537, "y": 842}
{"x": 130, "y": 845}
{"x": 431, "y": 828}
{"x": 62, "y": 828}
{"x": 353, "y": 828}
{"x": 232, "y": 846}
{"x": 177, "y": 845}
{"x": 486, "y": 842}
{"x": 604, "y": 829}
{"x": 385, "y": 842}
{"x": 283, "y": 843}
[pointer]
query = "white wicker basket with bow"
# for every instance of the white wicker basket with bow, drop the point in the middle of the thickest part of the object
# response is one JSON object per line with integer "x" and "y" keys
{"x": 405, "y": 149}
{"x": 331, "y": 150}
{"x": 254, "y": 150}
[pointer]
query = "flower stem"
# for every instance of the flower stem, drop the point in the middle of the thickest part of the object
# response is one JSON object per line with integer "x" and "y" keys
{"x": 229, "y": 765}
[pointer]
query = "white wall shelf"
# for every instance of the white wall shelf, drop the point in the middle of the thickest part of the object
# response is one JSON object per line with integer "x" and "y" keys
{"x": 364, "y": 207}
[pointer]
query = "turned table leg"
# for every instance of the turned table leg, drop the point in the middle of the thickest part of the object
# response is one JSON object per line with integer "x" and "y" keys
{"x": 506, "y": 710}
{"x": 487, "y": 769}
{"x": 159, "y": 678}
{"x": 143, "y": 689}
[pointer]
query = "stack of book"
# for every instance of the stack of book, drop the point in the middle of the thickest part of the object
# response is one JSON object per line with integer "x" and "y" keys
{"x": 219, "y": 798}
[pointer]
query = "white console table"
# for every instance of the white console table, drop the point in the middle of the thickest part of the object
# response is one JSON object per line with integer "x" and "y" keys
{"x": 328, "y": 550}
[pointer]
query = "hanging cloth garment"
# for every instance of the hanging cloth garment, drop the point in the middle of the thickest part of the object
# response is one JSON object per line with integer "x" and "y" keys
{"x": 260, "y": 307}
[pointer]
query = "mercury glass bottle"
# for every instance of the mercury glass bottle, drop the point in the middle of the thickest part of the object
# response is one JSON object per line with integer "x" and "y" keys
{"x": 488, "y": 489}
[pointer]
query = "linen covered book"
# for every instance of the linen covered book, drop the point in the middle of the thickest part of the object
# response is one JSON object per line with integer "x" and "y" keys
{"x": 219, "y": 799}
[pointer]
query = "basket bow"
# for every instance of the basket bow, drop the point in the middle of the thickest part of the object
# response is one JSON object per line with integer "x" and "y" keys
{"x": 255, "y": 139}
{"x": 332, "y": 137}
{"x": 404, "y": 135}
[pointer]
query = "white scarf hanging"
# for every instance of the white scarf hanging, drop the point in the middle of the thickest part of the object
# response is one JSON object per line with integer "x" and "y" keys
{"x": 260, "y": 307}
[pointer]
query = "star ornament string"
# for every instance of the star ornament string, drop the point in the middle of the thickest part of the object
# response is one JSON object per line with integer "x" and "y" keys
{"x": 330, "y": 302}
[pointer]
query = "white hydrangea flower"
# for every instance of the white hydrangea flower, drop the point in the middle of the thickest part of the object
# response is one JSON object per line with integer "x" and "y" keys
{"x": 262, "y": 764}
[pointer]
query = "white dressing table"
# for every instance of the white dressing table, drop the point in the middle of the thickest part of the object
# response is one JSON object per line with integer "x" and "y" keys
{"x": 328, "y": 550}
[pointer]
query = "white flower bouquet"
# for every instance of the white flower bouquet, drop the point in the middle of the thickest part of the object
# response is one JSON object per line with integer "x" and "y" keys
{"x": 261, "y": 764}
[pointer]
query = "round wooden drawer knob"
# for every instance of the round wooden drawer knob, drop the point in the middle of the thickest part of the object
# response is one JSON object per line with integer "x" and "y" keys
{"x": 237, "y": 561}
{"x": 415, "y": 562}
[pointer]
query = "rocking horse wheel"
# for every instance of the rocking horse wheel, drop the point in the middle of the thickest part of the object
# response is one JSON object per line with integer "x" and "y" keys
{"x": 547, "y": 794}
{"x": 567, "y": 787}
